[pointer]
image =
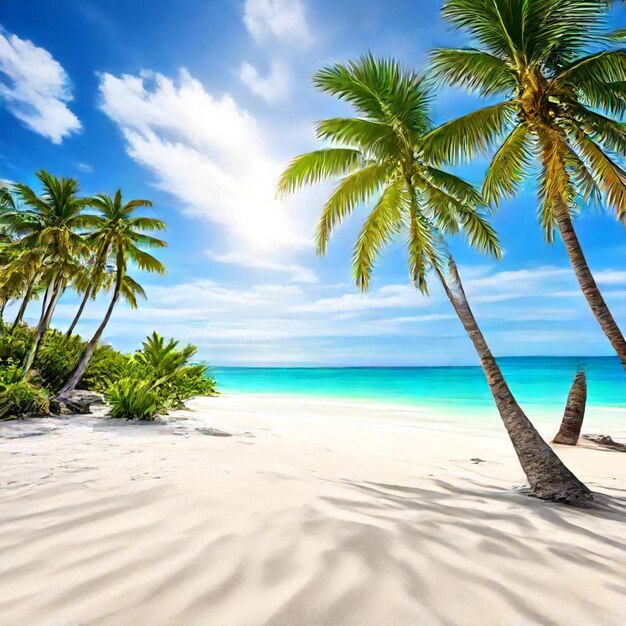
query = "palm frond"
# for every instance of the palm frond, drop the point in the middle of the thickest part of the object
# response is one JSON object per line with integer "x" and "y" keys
{"x": 479, "y": 232}
{"x": 146, "y": 223}
{"x": 556, "y": 31}
{"x": 599, "y": 79}
{"x": 382, "y": 224}
{"x": 456, "y": 187}
{"x": 610, "y": 177}
{"x": 477, "y": 71}
{"x": 424, "y": 249}
{"x": 366, "y": 135}
{"x": 508, "y": 167}
{"x": 145, "y": 261}
{"x": 353, "y": 190}
{"x": 556, "y": 189}
{"x": 493, "y": 23}
{"x": 313, "y": 167}
{"x": 379, "y": 89}
{"x": 469, "y": 135}
{"x": 605, "y": 131}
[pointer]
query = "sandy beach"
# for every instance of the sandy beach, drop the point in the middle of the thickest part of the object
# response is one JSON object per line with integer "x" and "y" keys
{"x": 312, "y": 513}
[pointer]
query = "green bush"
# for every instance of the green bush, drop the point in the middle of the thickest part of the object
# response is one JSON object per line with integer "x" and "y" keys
{"x": 14, "y": 347}
{"x": 22, "y": 399}
{"x": 158, "y": 378}
{"x": 189, "y": 381}
{"x": 106, "y": 366}
{"x": 57, "y": 358}
{"x": 134, "y": 399}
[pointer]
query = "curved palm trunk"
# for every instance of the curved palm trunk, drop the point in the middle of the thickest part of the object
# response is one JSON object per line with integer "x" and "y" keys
{"x": 548, "y": 477}
{"x": 81, "y": 308}
{"x": 47, "y": 309}
{"x": 74, "y": 379}
{"x": 589, "y": 287}
{"x": 53, "y": 305}
{"x": 23, "y": 305}
{"x": 90, "y": 289}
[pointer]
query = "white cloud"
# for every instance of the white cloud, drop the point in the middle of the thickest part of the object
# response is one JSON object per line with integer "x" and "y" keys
{"x": 298, "y": 323}
{"x": 38, "y": 88}
{"x": 84, "y": 167}
{"x": 610, "y": 277}
{"x": 387, "y": 297}
{"x": 272, "y": 87}
{"x": 206, "y": 151}
{"x": 297, "y": 273}
{"x": 282, "y": 20}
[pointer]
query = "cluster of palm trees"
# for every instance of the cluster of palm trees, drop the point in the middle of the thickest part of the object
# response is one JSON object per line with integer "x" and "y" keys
{"x": 58, "y": 240}
{"x": 558, "y": 121}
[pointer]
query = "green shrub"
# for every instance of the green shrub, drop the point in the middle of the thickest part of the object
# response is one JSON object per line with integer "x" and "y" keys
{"x": 22, "y": 399}
{"x": 106, "y": 366}
{"x": 134, "y": 399}
{"x": 57, "y": 358}
{"x": 189, "y": 381}
{"x": 14, "y": 347}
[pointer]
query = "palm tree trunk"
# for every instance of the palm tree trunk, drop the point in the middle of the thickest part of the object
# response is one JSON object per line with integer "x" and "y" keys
{"x": 25, "y": 301}
{"x": 81, "y": 308}
{"x": 74, "y": 379}
{"x": 41, "y": 327}
{"x": 589, "y": 287}
{"x": 98, "y": 266}
{"x": 548, "y": 477}
{"x": 47, "y": 309}
{"x": 574, "y": 414}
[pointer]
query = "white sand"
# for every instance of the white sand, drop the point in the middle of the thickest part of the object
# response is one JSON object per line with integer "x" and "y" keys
{"x": 313, "y": 513}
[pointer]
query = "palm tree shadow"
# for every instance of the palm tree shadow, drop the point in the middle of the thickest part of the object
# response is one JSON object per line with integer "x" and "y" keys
{"x": 462, "y": 526}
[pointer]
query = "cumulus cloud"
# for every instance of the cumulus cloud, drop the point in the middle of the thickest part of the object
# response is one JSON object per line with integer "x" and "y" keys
{"x": 204, "y": 149}
{"x": 271, "y": 87}
{"x": 36, "y": 88}
{"x": 296, "y": 273}
{"x": 282, "y": 20}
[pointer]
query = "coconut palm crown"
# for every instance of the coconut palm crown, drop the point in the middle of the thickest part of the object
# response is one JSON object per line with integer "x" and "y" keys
{"x": 119, "y": 234}
{"x": 377, "y": 157}
{"x": 560, "y": 83}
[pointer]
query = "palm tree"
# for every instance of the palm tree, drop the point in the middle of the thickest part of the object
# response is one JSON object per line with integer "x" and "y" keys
{"x": 560, "y": 110}
{"x": 48, "y": 226}
{"x": 379, "y": 157}
{"x": 119, "y": 233}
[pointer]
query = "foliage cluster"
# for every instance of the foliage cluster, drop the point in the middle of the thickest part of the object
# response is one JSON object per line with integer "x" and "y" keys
{"x": 139, "y": 386}
{"x": 159, "y": 377}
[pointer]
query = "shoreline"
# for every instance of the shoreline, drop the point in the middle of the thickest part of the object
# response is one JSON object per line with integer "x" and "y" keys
{"x": 319, "y": 513}
{"x": 544, "y": 420}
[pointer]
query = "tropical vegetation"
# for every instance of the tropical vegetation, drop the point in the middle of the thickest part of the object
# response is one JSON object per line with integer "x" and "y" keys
{"x": 378, "y": 157}
{"x": 58, "y": 240}
{"x": 560, "y": 82}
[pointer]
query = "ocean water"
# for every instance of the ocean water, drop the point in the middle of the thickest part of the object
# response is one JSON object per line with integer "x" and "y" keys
{"x": 540, "y": 384}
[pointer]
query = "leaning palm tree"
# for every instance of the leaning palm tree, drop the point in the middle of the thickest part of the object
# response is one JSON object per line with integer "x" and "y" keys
{"x": 379, "y": 157}
{"x": 560, "y": 110}
{"x": 49, "y": 226}
{"x": 121, "y": 234}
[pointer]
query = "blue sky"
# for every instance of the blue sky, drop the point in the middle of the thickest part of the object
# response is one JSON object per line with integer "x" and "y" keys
{"x": 197, "y": 105}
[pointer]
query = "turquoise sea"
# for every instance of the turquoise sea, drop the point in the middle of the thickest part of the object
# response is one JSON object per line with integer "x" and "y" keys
{"x": 541, "y": 385}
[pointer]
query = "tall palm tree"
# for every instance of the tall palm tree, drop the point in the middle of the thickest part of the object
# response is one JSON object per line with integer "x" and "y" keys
{"x": 560, "y": 109}
{"x": 49, "y": 225}
{"x": 378, "y": 154}
{"x": 121, "y": 234}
